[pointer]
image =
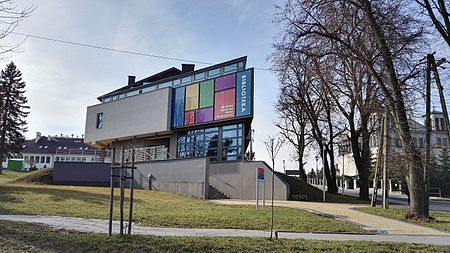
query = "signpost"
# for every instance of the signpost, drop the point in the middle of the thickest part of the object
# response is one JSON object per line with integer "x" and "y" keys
{"x": 260, "y": 179}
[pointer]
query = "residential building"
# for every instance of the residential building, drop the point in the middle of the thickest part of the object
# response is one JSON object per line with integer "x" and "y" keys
{"x": 438, "y": 138}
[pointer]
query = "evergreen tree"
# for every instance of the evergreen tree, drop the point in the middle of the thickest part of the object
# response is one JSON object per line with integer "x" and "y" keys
{"x": 13, "y": 110}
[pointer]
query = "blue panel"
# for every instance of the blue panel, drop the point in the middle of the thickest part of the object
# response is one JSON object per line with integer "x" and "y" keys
{"x": 244, "y": 103}
{"x": 178, "y": 107}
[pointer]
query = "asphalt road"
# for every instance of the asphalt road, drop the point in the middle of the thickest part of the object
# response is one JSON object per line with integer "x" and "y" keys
{"x": 401, "y": 199}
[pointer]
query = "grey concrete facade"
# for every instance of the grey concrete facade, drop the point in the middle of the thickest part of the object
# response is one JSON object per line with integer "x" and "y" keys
{"x": 181, "y": 176}
{"x": 238, "y": 180}
{"x": 138, "y": 116}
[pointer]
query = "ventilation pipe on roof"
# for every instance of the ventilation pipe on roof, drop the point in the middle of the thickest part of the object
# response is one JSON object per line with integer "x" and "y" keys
{"x": 187, "y": 67}
{"x": 131, "y": 80}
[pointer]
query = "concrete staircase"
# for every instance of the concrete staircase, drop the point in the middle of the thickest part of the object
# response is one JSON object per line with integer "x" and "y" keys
{"x": 214, "y": 193}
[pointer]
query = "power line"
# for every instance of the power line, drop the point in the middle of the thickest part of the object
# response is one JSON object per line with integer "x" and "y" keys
{"x": 118, "y": 50}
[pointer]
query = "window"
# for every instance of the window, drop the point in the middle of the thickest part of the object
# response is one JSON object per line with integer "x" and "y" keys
{"x": 99, "y": 123}
{"x": 63, "y": 159}
{"x": 438, "y": 142}
{"x": 420, "y": 142}
{"x": 199, "y": 76}
{"x": 108, "y": 99}
{"x": 83, "y": 159}
{"x": 42, "y": 159}
{"x": 176, "y": 82}
{"x": 57, "y": 158}
{"x": 214, "y": 72}
{"x": 47, "y": 159}
{"x": 133, "y": 93}
{"x": 73, "y": 158}
{"x": 114, "y": 98}
{"x": 219, "y": 143}
{"x": 124, "y": 95}
{"x": 165, "y": 85}
{"x": 230, "y": 68}
{"x": 444, "y": 142}
{"x": 78, "y": 159}
{"x": 148, "y": 89}
{"x": 186, "y": 79}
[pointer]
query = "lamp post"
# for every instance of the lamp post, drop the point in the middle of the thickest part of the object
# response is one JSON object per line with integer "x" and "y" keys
{"x": 317, "y": 171}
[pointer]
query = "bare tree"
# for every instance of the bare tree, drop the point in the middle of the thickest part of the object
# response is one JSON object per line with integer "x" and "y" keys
{"x": 437, "y": 11}
{"x": 383, "y": 36}
{"x": 273, "y": 145}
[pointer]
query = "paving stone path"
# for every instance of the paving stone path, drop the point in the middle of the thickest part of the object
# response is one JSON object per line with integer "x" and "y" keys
{"x": 101, "y": 226}
{"x": 347, "y": 213}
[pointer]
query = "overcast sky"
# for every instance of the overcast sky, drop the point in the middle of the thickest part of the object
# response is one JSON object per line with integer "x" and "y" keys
{"x": 62, "y": 80}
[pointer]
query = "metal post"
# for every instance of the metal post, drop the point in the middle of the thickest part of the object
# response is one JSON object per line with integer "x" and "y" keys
{"x": 130, "y": 217}
{"x": 122, "y": 189}
{"x": 257, "y": 183}
{"x": 323, "y": 170}
{"x": 385, "y": 157}
{"x": 264, "y": 189}
{"x": 111, "y": 196}
{"x": 343, "y": 174}
{"x": 284, "y": 166}
{"x": 251, "y": 145}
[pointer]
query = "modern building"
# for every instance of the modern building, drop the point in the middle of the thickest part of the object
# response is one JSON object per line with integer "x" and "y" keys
{"x": 190, "y": 129}
{"x": 438, "y": 137}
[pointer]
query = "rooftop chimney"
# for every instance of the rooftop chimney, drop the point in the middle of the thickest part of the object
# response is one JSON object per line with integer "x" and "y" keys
{"x": 187, "y": 67}
{"x": 131, "y": 80}
{"x": 38, "y": 136}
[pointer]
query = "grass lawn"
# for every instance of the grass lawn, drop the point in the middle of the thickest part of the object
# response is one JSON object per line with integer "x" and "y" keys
{"x": 22, "y": 237}
{"x": 158, "y": 209}
{"x": 441, "y": 222}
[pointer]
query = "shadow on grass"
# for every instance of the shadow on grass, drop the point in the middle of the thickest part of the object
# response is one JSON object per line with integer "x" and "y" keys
{"x": 17, "y": 194}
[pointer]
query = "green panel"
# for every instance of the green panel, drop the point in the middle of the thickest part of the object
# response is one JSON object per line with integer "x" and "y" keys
{"x": 206, "y": 94}
{"x": 15, "y": 165}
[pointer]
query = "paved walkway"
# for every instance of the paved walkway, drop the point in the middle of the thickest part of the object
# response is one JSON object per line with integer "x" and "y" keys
{"x": 101, "y": 226}
{"x": 345, "y": 212}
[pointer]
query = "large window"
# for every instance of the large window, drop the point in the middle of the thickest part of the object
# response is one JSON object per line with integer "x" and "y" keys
{"x": 99, "y": 123}
{"x": 219, "y": 143}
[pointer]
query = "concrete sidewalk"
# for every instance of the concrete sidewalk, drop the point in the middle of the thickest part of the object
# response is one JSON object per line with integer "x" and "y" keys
{"x": 101, "y": 226}
{"x": 347, "y": 213}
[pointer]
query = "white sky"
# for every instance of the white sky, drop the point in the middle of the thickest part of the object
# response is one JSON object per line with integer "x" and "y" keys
{"x": 62, "y": 80}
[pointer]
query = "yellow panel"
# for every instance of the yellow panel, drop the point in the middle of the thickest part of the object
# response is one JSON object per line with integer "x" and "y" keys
{"x": 191, "y": 97}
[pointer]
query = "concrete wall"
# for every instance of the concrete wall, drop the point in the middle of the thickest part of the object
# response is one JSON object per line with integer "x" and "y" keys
{"x": 182, "y": 176}
{"x": 74, "y": 173}
{"x": 134, "y": 116}
{"x": 238, "y": 180}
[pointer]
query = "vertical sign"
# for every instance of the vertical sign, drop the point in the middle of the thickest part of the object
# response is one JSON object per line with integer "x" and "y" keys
{"x": 244, "y": 93}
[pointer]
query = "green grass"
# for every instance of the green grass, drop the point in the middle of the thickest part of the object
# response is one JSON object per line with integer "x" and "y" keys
{"x": 158, "y": 209}
{"x": 22, "y": 237}
{"x": 43, "y": 176}
{"x": 441, "y": 219}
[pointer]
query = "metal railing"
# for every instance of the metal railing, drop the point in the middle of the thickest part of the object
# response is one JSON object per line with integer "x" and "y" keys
{"x": 146, "y": 154}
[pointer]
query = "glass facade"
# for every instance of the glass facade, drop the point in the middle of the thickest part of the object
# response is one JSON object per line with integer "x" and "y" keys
{"x": 224, "y": 143}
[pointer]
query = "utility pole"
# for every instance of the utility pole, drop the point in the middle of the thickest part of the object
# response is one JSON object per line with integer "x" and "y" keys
{"x": 317, "y": 171}
{"x": 343, "y": 174}
{"x": 385, "y": 158}
{"x": 427, "y": 131}
{"x": 323, "y": 169}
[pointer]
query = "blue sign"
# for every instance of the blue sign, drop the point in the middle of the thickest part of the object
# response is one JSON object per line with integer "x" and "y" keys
{"x": 244, "y": 93}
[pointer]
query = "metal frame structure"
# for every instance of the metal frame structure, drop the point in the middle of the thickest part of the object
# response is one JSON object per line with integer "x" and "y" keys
{"x": 125, "y": 172}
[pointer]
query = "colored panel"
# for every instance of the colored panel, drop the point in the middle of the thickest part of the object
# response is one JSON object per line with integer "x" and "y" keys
{"x": 224, "y": 107}
{"x": 178, "y": 107}
{"x": 191, "y": 97}
{"x": 189, "y": 118}
{"x": 244, "y": 103}
{"x": 225, "y": 82}
{"x": 204, "y": 115}
{"x": 206, "y": 94}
